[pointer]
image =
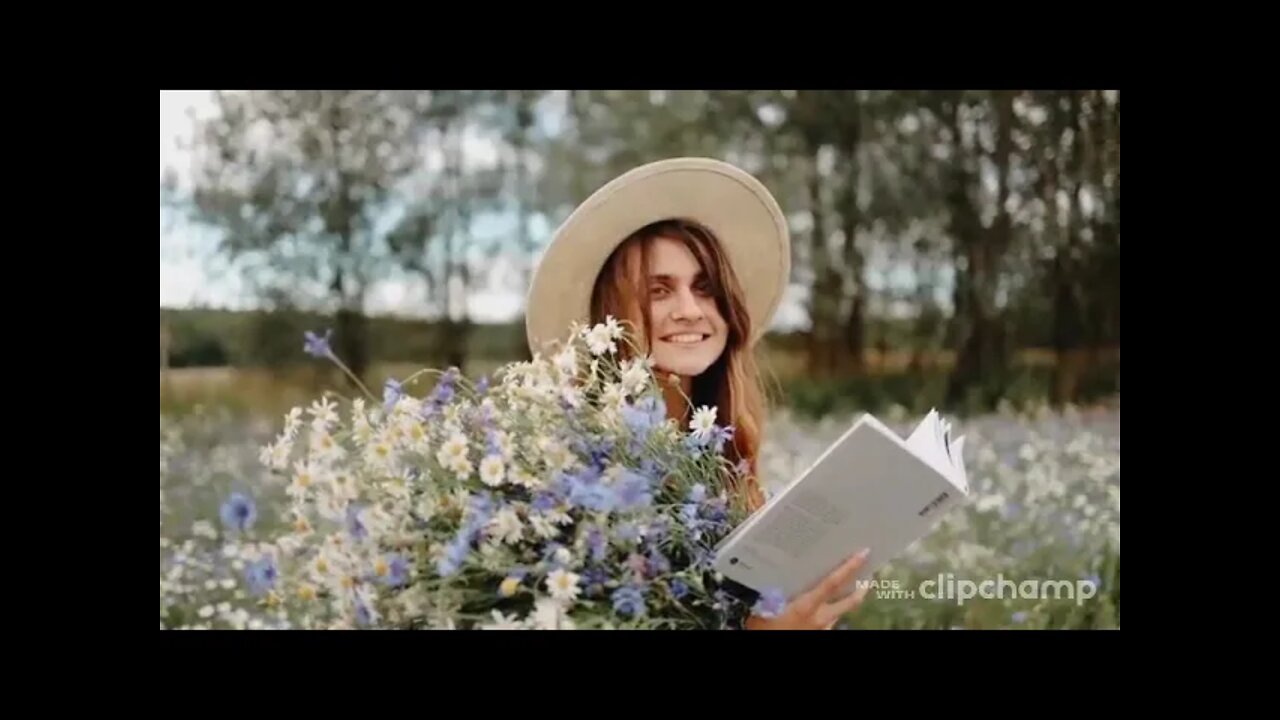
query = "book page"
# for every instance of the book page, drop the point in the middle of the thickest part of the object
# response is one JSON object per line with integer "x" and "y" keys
{"x": 926, "y": 442}
{"x": 799, "y": 524}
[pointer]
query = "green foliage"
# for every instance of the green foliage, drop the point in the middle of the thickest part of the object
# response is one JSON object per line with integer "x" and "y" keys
{"x": 918, "y": 391}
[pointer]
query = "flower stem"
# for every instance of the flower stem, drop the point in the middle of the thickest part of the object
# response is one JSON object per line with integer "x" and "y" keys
{"x": 342, "y": 366}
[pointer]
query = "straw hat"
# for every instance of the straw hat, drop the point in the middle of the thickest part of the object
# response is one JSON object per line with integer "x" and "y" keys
{"x": 732, "y": 204}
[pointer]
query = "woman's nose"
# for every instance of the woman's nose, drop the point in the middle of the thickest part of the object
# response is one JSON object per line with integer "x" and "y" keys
{"x": 687, "y": 307}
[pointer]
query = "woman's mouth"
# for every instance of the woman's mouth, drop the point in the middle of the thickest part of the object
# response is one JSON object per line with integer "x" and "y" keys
{"x": 685, "y": 338}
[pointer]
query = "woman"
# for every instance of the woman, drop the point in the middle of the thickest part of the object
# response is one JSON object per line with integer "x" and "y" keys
{"x": 694, "y": 254}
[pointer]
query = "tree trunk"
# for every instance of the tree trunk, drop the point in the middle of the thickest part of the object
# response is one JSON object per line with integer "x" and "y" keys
{"x": 983, "y": 354}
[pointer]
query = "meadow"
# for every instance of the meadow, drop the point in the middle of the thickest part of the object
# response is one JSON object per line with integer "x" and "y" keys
{"x": 1042, "y": 532}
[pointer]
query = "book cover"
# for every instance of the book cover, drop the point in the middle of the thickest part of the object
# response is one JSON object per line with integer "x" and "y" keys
{"x": 870, "y": 489}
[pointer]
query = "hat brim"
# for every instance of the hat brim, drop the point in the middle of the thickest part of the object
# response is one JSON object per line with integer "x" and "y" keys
{"x": 733, "y": 205}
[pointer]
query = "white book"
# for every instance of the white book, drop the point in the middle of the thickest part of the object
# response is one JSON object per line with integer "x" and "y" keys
{"x": 870, "y": 489}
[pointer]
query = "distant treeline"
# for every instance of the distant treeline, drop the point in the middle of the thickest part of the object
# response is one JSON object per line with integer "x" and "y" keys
{"x": 896, "y": 371}
{"x": 217, "y": 338}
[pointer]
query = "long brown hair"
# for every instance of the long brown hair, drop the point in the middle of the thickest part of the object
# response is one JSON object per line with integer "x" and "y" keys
{"x": 732, "y": 383}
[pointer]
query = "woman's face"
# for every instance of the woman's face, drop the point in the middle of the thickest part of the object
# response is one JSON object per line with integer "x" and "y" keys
{"x": 688, "y": 331}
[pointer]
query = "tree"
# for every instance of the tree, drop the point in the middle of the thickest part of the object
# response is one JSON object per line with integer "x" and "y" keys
{"x": 299, "y": 182}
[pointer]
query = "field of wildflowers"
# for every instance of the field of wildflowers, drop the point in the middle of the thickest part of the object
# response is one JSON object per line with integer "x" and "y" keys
{"x": 315, "y": 544}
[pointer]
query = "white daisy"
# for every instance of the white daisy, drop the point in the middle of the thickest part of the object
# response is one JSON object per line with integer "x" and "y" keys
{"x": 524, "y": 478}
{"x": 549, "y": 614}
{"x": 503, "y": 622}
{"x": 292, "y": 422}
{"x": 325, "y": 412}
{"x": 600, "y": 340}
{"x": 453, "y": 448}
{"x": 613, "y": 396}
{"x": 304, "y": 477}
{"x": 572, "y": 396}
{"x": 635, "y": 375}
{"x": 543, "y": 526}
{"x": 563, "y": 585}
{"x": 461, "y": 467}
{"x": 566, "y": 361}
{"x": 704, "y": 419}
{"x": 280, "y": 455}
{"x": 506, "y": 526}
{"x": 492, "y": 471}
{"x": 325, "y": 447}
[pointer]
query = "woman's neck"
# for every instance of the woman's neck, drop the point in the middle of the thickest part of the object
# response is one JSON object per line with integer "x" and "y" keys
{"x": 678, "y": 404}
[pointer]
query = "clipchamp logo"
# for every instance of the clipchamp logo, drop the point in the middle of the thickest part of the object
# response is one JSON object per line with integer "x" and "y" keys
{"x": 947, "y": 587}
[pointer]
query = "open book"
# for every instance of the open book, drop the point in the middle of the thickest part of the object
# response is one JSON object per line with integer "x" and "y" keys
{"x": 870, "y": 489}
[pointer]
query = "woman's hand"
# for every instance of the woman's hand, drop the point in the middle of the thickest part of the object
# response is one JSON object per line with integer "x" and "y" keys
{"x": 818, "y": 608}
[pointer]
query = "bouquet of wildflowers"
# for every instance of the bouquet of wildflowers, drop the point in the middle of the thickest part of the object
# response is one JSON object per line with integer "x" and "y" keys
{"x": 556, "y": 496}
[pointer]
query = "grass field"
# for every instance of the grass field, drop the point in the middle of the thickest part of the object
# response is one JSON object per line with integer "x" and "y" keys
{"x": 885, "y": 378}
{"x": 1043, "y": 530}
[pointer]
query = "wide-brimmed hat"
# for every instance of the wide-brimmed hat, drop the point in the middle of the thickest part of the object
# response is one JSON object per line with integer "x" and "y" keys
{"x": 733, "y": 205}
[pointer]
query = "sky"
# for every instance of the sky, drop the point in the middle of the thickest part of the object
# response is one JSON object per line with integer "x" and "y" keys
{"x": 192, "y": 275}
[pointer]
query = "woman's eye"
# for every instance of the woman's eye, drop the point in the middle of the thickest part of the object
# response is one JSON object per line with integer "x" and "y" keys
{"x": 658, "y": 291}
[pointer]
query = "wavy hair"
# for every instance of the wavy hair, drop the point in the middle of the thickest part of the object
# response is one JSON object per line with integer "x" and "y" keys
{"x": 732, "y": 383}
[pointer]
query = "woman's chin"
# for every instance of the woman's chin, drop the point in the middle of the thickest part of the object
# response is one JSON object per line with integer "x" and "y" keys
{"x": 684, "y": 367}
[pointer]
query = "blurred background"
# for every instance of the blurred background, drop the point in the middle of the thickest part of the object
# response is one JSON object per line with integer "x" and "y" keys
{"x": 951, "y": 249}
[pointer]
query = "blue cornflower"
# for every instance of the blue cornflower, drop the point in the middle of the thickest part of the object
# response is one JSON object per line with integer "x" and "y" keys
{"x": 633, "y": 491}
{"x": 771, "y": 603}
{"x": 363, "y": 616}
{"x": 716, "y": 511}
{"x": 317, "y": 346}
{"x": 481, "y": 505}
{"x": 261, "y": 576}
{"x": 657, "y": 531}
{"x": 586, "y": 490}
{"x": 544, "y": 501}
{"x": 719, "y": 436}
{"x": 694, "y": 445}
{"x": 595, "y": 578}
{"x": 627, "y": 532}
{"x": 644, "y": 415}
{"x": 454, "y": 555}
{"x": 354, "y": 524}
{"x": 658, "y": 563}
{"x": 679, "y": 588}
{"x": 397, "y": 570}
{"x": 239, "y": 512}
{"x": 392, "y": 391}
{"x": 629, "y": 600}
{"x": 596, "y": 544}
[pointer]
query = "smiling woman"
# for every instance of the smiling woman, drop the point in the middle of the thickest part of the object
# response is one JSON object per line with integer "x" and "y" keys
{"x": 692, "y": 255}
{"x": 671, "y": 280}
